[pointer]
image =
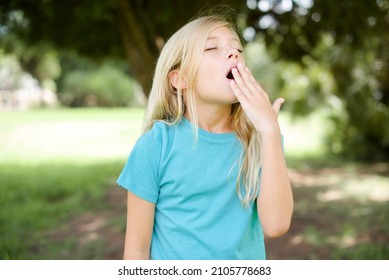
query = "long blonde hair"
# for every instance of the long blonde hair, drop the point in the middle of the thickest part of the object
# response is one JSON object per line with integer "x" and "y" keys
{"x": 183, "y": 52}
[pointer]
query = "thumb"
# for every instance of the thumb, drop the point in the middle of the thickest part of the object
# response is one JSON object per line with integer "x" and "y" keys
{"x": 277, "y": 105}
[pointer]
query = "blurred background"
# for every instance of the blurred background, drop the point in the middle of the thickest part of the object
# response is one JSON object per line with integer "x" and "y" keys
{"x": 74, "y": 79}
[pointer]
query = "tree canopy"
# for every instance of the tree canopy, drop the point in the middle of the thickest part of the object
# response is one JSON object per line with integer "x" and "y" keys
{"x": 350, "y": 40}
{"x": 130, "y": 29}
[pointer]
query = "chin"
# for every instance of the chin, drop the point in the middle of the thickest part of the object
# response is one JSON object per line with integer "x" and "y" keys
{"x": 232, "y": 98}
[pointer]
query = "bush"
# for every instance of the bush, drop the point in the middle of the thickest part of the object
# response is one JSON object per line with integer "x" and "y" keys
{"x": 106, "y": 86}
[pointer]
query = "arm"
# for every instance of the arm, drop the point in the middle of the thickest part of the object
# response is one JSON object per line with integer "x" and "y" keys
{"x": 275, "y": 203}
{"x": 140, "y": 223}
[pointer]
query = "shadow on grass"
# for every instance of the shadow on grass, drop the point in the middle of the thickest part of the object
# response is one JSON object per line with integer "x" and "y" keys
{"x": 341, "y": 212}
{"x": 38, "y": 201}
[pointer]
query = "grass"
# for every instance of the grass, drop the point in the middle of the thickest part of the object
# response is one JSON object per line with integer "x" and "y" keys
{"x": 75, "y": 135}
{"x": 341, "y": 212}
{"x": 39, "y": 197}
{"x": 57, "y": 167}
{"x": 55, "y": 164}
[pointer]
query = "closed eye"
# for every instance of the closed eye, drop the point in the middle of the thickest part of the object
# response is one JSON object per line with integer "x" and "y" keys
{"x": 215, "y": 48}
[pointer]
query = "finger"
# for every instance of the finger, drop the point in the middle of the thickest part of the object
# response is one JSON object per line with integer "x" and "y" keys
{"x": 248, "y": 78}
{"x": 252, "y": 82}
{"x": 240, "y": 83}
{"x": 238, "y": 93}
{"x": 277, "y": 105}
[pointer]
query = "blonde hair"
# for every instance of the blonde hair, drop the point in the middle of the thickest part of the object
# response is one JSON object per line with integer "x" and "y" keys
{"x": 183, "y": 52}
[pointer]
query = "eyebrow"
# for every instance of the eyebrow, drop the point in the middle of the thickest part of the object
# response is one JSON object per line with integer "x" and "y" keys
{"x": 230, "y": 39}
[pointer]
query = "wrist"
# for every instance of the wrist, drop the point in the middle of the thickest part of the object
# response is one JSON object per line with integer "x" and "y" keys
{"x": 270, "y": 138}
{"x": 269, "y": 131}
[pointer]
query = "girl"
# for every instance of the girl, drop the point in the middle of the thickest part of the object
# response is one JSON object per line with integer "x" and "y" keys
{"x": 207, "y": 179}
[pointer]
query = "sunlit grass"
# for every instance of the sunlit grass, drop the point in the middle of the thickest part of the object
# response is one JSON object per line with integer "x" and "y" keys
{"x": 68, "y": 135}
{"x": 55, "y": 163}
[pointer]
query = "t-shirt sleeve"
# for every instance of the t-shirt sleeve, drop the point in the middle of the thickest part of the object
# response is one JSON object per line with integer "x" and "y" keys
{"x": 140, "y": 173}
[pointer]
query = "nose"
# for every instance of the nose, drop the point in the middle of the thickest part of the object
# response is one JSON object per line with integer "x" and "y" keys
{"x": 233, "y": 54}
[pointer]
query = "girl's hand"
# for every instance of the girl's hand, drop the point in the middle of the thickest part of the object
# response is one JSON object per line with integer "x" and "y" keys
{"x": 255, "y": 101}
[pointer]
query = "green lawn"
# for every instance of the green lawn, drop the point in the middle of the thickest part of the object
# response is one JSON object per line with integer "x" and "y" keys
{"x": 55, "y": 164}
{"x": 59, "y": 201}
{"x": 68, "y": 134}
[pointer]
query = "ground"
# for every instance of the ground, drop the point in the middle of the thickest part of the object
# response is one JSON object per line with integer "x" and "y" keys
{"x": 329, "y": 221}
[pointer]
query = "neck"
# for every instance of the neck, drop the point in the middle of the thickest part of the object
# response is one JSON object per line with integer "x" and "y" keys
{"x": 214, "y": 119}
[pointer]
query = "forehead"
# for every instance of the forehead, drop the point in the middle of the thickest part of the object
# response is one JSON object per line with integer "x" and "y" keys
{"x": 222, "y": 33}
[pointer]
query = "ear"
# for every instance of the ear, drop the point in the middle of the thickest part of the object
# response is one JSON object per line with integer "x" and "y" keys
{"x": 174, "y": 77}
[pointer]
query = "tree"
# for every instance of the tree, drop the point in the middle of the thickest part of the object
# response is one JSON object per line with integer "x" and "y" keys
{"x": 348, "y": 38}
{"x": 131, "y": 29}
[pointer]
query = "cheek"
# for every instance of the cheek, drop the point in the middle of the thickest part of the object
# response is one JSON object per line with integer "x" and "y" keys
{"x": 209, "y": 70}
{"x": 204, "y": 74}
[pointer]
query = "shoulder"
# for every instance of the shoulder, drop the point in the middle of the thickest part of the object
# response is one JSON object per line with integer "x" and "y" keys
{"x": 149, "y": 146}
{"x": 159, "y": 131}
{"x": 159, "y": 136}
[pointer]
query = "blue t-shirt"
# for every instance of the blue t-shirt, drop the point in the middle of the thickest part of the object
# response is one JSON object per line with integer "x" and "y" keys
{"x": 198, "y": 214}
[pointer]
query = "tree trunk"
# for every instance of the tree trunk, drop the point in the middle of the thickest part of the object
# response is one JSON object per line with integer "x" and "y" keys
{"x": 139, "y": 43}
